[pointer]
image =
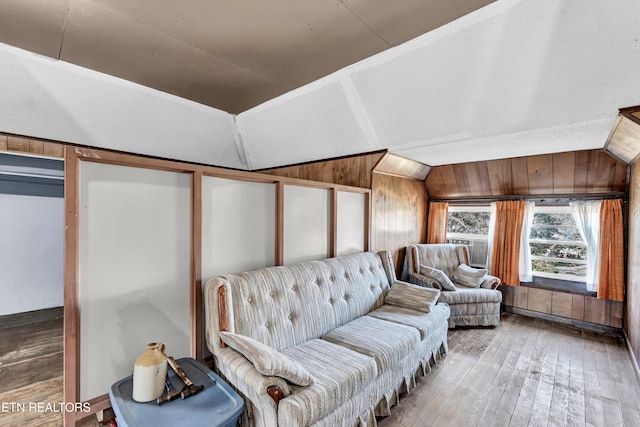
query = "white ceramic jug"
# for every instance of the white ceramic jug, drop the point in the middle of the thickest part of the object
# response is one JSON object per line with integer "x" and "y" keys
{"x": 149, "y": 373}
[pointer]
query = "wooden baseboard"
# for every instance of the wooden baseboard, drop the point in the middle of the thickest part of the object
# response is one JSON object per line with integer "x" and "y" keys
{"x": 633, "y": 356}
{"x": 581, "y": 324}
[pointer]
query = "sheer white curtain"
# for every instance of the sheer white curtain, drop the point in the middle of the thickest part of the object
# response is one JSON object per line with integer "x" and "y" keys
{"x": 526, "y": 269}
{"x": 492, "y": 231}
{"x": 587, "y": 217}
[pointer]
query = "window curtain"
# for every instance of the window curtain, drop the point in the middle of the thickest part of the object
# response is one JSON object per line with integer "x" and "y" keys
{"x": 505, "y": 247}
{"x": 526, "y": 268}
{"x": 611, "y": 265}
{"x": 437, "y": 223}
{"x": 587, "y": 218}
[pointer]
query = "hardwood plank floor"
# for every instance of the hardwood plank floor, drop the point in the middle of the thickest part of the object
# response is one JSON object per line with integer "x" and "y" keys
{"x": 525, "y": 372}
{"x": 31, "y": 368}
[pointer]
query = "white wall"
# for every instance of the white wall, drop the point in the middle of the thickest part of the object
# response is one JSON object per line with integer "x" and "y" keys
{"x": 31, "y": 253}
{"x": 135, "y": 269}
{"x": 306, "y": 223}
{"x": 51, "y": 99}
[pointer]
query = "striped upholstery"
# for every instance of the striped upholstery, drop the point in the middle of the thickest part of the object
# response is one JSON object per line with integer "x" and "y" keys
{"x": 288, "y": 305}
{"x": 406, "y": 316}
{"x": 329, "y": 317}
{"x": 339, "y": 374}
{"x": 387, "y": 343}
{"x": 468, "y": 306}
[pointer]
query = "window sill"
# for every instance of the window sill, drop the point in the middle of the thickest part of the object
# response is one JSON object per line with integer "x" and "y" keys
{"x": 579, "y": 288}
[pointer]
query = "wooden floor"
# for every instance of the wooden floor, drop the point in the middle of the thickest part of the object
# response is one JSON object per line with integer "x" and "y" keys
{"x": 30, "y": 367}
{"x": 526, "y": 372}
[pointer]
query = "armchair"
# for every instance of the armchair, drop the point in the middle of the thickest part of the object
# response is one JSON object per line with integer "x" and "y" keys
{"x": 471, "y": 293}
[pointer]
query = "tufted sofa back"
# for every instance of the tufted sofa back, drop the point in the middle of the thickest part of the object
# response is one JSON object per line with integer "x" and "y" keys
{"x": 445, "y": 257}
{"x": 287, "y": 305}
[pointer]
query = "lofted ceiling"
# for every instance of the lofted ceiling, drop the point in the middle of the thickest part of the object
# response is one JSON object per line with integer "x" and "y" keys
{"x": 437, "y": 82}
{"x": 231, "y": 55}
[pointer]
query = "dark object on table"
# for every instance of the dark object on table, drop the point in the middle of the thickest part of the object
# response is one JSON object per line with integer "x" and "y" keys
{"x": 217, "y": 405}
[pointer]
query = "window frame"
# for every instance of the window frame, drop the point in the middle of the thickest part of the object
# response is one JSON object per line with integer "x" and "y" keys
{"x": 556, "y": 209}
{"x": 541, "y": 208}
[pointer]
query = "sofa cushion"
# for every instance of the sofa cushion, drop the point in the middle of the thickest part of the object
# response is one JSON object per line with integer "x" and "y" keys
{"x": 425, "y": 323}
{"x": 469, "y": 276}
{"x": 340, "y": 374}
{"x": 386, "y": 342}
{"x": 412, "y": 296}
{"x": 268, "y": 361}
{"x": 439, "y": 276}
{"x": 471, "y": 295}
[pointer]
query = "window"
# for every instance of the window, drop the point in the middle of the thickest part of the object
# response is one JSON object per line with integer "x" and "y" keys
{"x": 557, "y": 249}
{"x": 469, "y": 225}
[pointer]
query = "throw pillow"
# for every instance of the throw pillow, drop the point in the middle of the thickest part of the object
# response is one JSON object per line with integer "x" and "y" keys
{"x": 469, "y": 276}
{"x": 268, "y": 361}
{"x": 439, "y": 276}
{"x": 416, "y": 297}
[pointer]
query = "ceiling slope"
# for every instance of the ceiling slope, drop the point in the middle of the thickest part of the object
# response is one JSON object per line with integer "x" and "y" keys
{"x": 228, "y": 55}
{"x": 514, "y": 78}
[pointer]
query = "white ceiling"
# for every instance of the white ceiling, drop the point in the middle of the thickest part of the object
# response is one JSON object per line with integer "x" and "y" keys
{"x": 231, "y": 55}
{"x": 512, "y": 78}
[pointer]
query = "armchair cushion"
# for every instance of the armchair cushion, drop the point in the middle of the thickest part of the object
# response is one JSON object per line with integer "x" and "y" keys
{"x": 490, "y": 282}
{"x": 404, "y": 294}
{"x": 439, "y": 276}
{"x": 268, "y": 361}
{"x": 469, "y": 276}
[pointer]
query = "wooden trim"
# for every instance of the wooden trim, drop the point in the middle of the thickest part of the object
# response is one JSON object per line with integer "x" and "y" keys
{"x": 223, "y": 318}
{"x": 195, "y": 300}
{"x": 279, "y": 240}
{"x": 97, "y": 404}
{"x": 634, "y": 361}
{"x": 75, "y": 155}
{"x": 101, "y": 156}
{"x": 333, "y": 222}
{"x": 543, "y": 198}
{"x": 367, "y": 221}
{"x": 71, "y": 364}
{"x": 331, "y": 159}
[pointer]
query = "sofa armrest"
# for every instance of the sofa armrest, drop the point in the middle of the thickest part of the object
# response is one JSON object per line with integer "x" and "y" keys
{"x": 263, "y": 392}
{"x": 490, "y": 282}
{"x": 424, "y": 281}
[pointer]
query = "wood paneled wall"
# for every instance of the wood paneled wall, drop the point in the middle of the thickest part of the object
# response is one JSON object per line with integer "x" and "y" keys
{"x": 577, "y": 172}
{"x": 399, "y": 208}
{"x": 399, "y": 204}
{"x": 632, "y": 326}
{"x": 33, "y": 146}
{"x": 582, "y": 308}
{"x": 353, "y": 171}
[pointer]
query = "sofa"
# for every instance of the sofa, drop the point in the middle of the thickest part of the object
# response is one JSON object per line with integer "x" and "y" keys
{"x": 331, "y": 342}
{"x": 472, "y": 294}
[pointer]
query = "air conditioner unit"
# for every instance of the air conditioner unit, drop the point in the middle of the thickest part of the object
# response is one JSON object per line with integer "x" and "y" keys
{"x": 477, "y": 250}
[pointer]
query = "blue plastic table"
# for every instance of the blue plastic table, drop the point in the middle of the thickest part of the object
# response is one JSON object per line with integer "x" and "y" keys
{"x": 218, "y": 405}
